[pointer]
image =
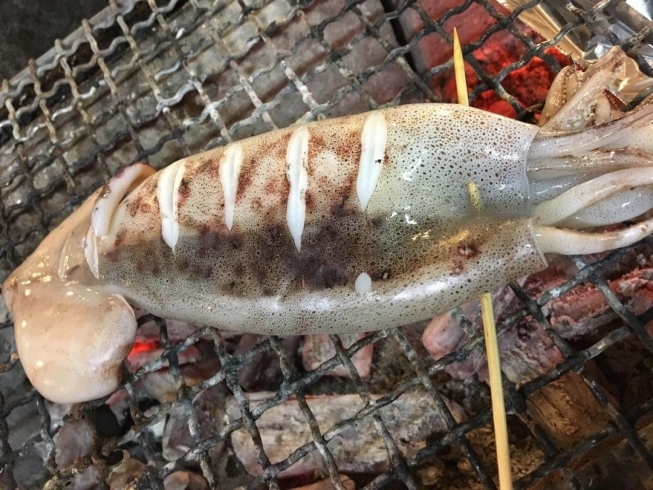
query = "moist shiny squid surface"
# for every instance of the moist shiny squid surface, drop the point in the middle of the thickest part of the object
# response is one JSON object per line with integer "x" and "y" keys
{"x": 353, "y": 224}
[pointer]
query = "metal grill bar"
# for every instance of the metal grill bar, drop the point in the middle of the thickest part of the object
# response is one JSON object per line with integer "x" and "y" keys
{"x": 467, "y": 449}
{"x": 320, "y": 444}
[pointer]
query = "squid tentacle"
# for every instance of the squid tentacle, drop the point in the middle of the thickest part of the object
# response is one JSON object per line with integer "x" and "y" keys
{"x": 556, "y": 117}
{"x": 589, "y": 193}
{"x": 557, "y": 144}
{"x": 573, "y": 242}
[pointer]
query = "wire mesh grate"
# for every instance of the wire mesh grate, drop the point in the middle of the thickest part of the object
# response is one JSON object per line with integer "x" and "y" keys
{"x": 155, "y": 81}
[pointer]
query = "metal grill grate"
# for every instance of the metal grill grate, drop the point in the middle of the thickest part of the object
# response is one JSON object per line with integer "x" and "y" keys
{"x": 150, "y": 82}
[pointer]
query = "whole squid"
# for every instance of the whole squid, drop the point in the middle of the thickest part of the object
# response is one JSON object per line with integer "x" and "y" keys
{"x": 360, "y": 223}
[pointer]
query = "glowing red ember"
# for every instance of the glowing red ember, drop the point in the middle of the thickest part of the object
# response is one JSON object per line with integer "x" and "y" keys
{"x": 529, "y": 84}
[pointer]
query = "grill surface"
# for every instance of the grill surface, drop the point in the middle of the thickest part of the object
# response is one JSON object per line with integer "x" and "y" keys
{"x": 156, "y": 82}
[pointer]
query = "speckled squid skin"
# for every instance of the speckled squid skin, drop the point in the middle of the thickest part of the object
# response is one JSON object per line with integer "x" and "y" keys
{"x": 421, "y": 238}
{"x": 347, "y": 225}
{"x": 228, "y": 284}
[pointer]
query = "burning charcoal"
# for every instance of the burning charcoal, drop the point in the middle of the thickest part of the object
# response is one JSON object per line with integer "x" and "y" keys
{"x": 613, "y": 465}
{"x": 443, "y": 335}
{"x": 526, "y": 350}
{"x": 318, "y": 349}
{"x": 526, "y": 353}
{"x": 564, "y": 407}
{"x": 177, "y": 330}
{"x": 184, "y": 480}
{"x": 357, "y": 449}
{"x": 197, "y": 363}
{"x": 72, "y": 442}
{"x": 585, "y": 309}
{"x": 143, "y": 354}
{"x": 263, "y": 370}
{"x": 529, "y": 84}
{"x": 610, "y": 464}
{"x": 567, "y": 410}
{"x": 209, "y": 407}
{"x": 432, "y": 50}
{"x": 161, "y": 384}
{"x": 125, "y": 472}
{"x": 347, "y": 482}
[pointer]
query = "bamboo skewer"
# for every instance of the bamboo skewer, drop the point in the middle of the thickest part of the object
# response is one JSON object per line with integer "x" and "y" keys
{"x": 459, "y": 70}
{"x": 496, "y": 389}
{"x": 489, "y": 327}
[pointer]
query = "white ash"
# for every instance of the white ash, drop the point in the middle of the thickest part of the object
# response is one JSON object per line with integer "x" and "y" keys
{"x": 358, "y": 449}
{"x": 89, "y": 479}
{"x": 73, "y": 442}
